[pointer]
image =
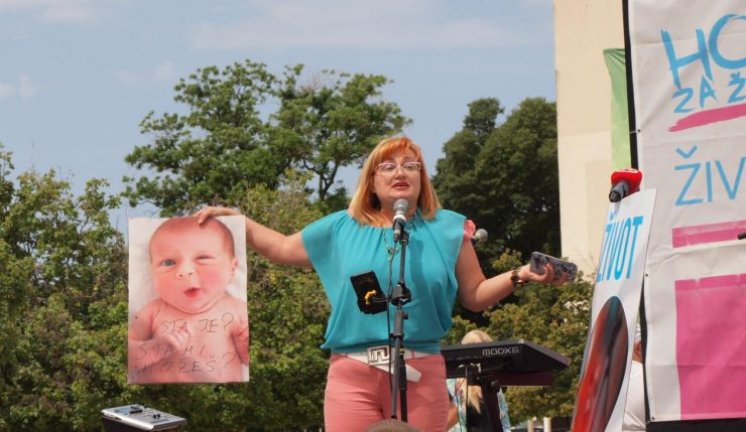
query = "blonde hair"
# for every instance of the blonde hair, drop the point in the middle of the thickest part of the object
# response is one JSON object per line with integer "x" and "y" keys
{"x": 365, "y": 206}
{"x": 474, "y": 396}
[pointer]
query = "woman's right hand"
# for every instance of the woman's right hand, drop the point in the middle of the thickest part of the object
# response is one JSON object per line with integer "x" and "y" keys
{"x": 212, "y": 211}
{"x": 275, "y": 246}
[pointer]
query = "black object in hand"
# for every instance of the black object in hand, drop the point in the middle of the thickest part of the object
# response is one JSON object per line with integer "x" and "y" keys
{"x": 561, "y": 267}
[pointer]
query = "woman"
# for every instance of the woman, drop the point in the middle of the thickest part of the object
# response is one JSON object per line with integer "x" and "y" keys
{"x": 468, "y": 401}
{"x": 440, "y": 263}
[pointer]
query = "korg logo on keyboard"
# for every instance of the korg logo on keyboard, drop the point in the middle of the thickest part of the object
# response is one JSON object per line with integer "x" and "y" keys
{"x": 501, "y": 351}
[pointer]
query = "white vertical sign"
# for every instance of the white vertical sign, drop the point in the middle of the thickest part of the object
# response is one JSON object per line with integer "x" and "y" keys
{"x": 616, "y": 300}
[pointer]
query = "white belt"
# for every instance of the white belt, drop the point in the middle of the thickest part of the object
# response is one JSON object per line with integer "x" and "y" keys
{"x": 379, "y": 356}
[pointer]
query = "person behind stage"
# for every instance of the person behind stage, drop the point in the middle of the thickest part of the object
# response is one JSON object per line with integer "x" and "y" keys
{"x": 440, "y": 263}
{"x": 468, "y": 401}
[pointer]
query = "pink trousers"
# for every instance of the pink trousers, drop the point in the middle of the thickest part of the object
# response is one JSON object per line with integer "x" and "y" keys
{"x": 357, "y": 395}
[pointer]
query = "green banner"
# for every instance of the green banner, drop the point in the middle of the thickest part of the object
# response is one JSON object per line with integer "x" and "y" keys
{"x": 620, "y": 151}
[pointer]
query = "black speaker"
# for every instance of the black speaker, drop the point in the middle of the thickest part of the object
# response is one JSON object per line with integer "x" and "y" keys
{"x": 131, "y": 418}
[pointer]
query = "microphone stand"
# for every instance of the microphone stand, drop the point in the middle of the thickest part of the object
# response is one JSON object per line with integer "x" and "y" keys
{"x": 399, "y": 296}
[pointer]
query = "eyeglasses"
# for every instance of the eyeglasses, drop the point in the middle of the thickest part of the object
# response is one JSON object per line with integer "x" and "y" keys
{"x": 389, "y": 168}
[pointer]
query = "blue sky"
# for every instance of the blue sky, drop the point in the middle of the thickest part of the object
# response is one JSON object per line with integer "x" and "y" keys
{"x": 78, "y": 76}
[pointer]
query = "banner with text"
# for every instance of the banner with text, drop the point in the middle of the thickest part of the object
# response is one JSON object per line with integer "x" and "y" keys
{"x": 688, "y": 63}
{"x": 602, "y": 390}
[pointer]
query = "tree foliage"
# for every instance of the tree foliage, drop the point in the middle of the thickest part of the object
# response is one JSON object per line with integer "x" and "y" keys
{"x": 288, "y": 311}
{"x": 332, "y": 125}
{"x": 505, "y": 177}
{"x": 229, "y": 141}
{"x": 455, "y": 178}
{"x": 62, "y": 287}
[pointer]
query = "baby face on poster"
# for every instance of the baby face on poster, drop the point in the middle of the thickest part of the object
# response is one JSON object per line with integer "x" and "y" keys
{"x": 191, "y": 267}
{"x": 194, "y": 330}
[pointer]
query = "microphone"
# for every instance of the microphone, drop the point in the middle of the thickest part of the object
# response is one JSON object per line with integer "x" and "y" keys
{"x": 624, "y": 182}
{"x": 400, "y": 217}
{"x": 479, "y": 236}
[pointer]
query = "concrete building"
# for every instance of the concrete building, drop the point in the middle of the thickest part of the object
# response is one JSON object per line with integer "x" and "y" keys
{"x": 583, "y": 29}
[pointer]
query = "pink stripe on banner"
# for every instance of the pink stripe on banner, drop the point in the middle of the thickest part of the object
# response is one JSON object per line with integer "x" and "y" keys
{"x": 709, "y": 116}
{"x": 711, "y": 346}
{"x": 707, "y": 233}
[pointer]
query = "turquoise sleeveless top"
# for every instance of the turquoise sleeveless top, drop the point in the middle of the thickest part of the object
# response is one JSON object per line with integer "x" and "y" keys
{"x": 339, "y": 247}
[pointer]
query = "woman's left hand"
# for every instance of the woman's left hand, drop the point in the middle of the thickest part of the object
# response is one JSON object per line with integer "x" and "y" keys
{"x": 525, "y": 274}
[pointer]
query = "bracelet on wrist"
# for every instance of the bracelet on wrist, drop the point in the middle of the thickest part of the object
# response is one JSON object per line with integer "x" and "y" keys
{"x": 515, "y": 279}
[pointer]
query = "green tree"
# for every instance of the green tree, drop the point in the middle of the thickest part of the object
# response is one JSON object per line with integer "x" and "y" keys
{"x": 217, "y": 150}
{"x": 69, "y": 239}
{"x": 228, "y": 141}
{"x": 455, "y": 178}
{"x": 518, "y": 180}
{"x": 63, "y": 277}
{"x": 288, "y": 310}
{"x": 334, "y": 125}
{"x": 505, "y": 177}
{"x": 15, "y": 289}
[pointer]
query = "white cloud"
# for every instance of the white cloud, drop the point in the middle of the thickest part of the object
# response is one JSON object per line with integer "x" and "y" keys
{"x": 382, "y": 24}
{"x": 164, "y": 72}
{"x": 55, "y": 11}
{"x": 75, "y": 12}
{"x": 27, "y": 89}
{"x": 6, "y": 90}
{"x": 16, "y": 4}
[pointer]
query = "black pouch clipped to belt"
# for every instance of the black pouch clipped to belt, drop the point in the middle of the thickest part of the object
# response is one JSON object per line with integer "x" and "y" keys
{"x": 370, "y": 298}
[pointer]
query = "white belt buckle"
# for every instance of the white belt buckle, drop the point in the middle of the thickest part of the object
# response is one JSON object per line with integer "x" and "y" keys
{"x": 378, "y": 355}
